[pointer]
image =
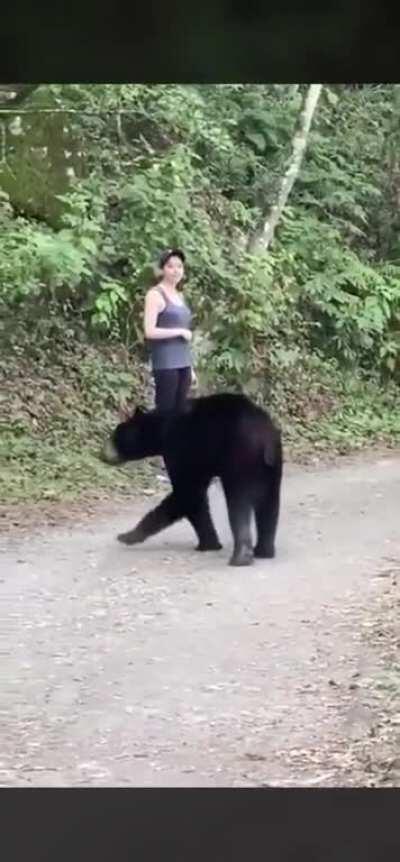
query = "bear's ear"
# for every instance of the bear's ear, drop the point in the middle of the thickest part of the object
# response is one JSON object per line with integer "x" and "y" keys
{"x": 124, "y": 412}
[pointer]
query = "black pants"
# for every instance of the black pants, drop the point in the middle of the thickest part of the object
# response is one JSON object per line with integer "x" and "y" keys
{"x": 172, "y": 387}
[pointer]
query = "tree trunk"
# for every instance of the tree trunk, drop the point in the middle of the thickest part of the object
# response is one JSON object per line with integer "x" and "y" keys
{"x": 389, "y": 213}
{"x": 262, "y": 238}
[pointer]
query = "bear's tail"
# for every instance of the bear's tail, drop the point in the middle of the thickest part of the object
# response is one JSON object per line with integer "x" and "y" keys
{"x": 272, "y": 449}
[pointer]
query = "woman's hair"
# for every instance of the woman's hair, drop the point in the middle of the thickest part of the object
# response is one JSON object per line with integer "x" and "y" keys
{"x": 170, "y": 252}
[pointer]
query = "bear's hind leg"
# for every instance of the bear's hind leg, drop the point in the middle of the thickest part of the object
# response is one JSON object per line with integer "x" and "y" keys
{"x": 239, "y": 510}
{"x": 267, "y": 515}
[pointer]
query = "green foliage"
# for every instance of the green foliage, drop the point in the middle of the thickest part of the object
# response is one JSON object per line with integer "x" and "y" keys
{"x": 352, "y": 307}
{"x": 198, "y": 166}
{"x": 55, "y": 410}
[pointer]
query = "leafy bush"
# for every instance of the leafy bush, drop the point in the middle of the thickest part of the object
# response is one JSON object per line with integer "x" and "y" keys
{"x": 198, "y": 166}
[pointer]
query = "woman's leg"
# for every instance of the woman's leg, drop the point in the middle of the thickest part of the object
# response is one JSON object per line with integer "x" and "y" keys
{"x": 183, "y": 387}
{"x": 166, "y": 383}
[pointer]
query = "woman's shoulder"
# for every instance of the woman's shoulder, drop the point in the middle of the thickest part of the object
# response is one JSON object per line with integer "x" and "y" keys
{"x": 155, "y": 292}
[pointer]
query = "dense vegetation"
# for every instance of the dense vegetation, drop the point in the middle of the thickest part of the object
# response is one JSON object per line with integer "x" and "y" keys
{"x": 96, "y": 179}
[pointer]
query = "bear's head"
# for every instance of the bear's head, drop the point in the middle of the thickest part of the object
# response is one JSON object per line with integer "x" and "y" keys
{"x": 134, "y": 438}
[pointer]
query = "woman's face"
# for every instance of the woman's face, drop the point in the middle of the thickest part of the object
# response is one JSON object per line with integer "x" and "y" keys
{"x": 173, "y": 270}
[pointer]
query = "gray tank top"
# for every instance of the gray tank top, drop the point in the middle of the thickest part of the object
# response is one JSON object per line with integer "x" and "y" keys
{"x": 171, "y": 352}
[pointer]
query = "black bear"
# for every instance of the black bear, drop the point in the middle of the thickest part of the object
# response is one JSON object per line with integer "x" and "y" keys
{"x": 225, "y": 436}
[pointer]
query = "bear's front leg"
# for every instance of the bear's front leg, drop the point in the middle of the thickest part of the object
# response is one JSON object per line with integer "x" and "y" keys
{"x": 162, "y": 516}
{"x": 198, "y": 513}
{"x": 193, "y": 502}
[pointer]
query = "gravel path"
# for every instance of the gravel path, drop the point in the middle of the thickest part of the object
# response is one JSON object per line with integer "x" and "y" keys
{"x": 155, "y": 665}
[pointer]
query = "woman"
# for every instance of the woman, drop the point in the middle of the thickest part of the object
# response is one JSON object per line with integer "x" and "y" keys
{"x": 167, "y": 321}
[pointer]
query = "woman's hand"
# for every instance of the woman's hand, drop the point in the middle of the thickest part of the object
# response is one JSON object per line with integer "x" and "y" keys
{"x": 194, "y": 381}
{"x": 186, "y": 334}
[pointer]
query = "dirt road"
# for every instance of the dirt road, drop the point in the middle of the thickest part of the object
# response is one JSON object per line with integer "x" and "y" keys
{"x": 155, "y": 665}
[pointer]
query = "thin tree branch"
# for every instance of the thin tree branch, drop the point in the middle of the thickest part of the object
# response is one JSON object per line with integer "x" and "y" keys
{"x": 262, "y": 238}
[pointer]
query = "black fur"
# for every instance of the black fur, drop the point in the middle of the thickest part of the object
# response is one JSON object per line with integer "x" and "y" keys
{"x": 222, "y": 435}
